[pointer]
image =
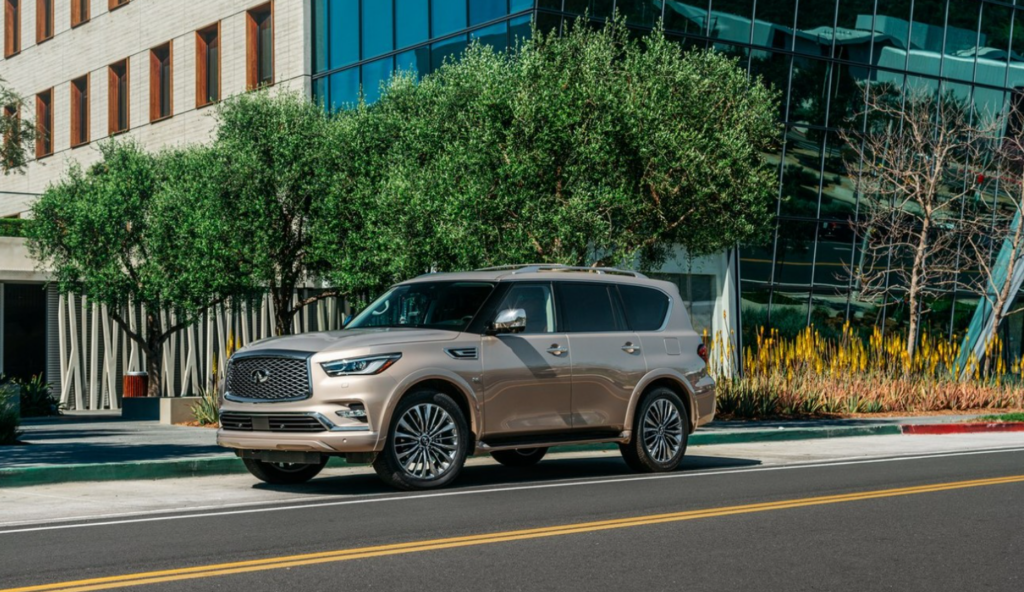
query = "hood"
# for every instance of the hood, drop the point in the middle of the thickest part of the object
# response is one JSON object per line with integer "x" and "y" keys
{"x": 346, "y": 339}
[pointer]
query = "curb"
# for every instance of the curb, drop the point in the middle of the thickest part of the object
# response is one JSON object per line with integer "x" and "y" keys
{"x": 963, "y": 428}
{"x": 230, "y": 464}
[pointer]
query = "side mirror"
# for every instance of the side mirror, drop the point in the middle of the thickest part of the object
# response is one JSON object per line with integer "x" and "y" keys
{"x": 509, "y": 321}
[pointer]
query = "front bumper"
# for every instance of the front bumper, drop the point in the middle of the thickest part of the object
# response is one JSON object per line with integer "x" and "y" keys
{"x": 323, "y": 442}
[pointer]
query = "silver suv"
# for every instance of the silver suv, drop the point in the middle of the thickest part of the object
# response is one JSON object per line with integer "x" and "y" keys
{"x": 501, "y": 361}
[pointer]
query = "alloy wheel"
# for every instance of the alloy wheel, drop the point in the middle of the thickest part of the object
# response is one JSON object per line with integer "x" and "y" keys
{"x": 426, "y": 441}
{"x": 663, "y": 431}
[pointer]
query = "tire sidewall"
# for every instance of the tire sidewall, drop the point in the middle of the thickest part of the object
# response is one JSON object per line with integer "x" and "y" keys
{"x": 638, "y": 436}
{"x": 390, "y": 468}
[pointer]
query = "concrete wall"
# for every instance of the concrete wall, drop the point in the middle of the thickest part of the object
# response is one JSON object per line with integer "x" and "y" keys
{"x": 129, "y": 32}
{"x": 15, "y": 263}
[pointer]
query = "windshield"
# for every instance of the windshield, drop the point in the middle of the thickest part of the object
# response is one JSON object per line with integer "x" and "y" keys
{"x": 432, "y": 305}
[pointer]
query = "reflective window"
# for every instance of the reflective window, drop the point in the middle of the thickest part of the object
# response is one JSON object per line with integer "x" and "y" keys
{"x": 321, "y": 33}
{"x": 376, "y": 74}
{"x": 644, "y": 13}
{"x": 416, "y": 60}
{"x": 448, "y": 49}
{"x": 590, "y": 308}
{"x": 595, "y": 8}
{"x": 435, "y": 305}
{"x": 447, "y": 16}
{"x": 481, "y": 11}
{"x": 344, "y": 35}
{"x": 378, "y": 24}
{"x": 645, "y": 308}
{"x": 345, "y": 88}
{"x": 518, "y": 29}
{"x": 519, "y": 5}
{"x": 495, "y": 36}
{"x": 536, "y": 301}
{"x": 411, "y": 22}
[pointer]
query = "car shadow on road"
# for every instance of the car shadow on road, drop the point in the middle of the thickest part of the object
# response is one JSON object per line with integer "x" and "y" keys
{"x": 493, "y": 475}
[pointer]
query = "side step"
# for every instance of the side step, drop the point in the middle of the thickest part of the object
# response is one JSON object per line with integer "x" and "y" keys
{"x": 483, "y": 447}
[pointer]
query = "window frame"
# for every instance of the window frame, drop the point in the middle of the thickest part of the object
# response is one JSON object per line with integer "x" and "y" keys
{"x": 252, "y": 46}
{"x": 84, "y": 12}
{"x": 618, "y": 309}
{"x": 155, "y": 87}
{"x": 114, "y": 96}
{"x": 41, "y": 33}
{"x": 113, "y": 5}
{"x": 552, "y": 292}
{"x": 80, "y": 113}
{"x": 44, "y": 134}
{"x": 12, "y": 28}
{"x": 202, "y": 71}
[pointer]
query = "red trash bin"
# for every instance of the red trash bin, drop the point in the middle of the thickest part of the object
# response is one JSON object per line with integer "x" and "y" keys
{"x": 135, "y": 384}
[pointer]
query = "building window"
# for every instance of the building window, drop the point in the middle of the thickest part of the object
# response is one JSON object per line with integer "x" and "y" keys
{"x": 80, "y": 111}
{"x": 260, "y": 46}
{"x": 208, "y": 65}
{"x": 161, "y": 79}
{"x": 118, "y": 108}
{"x": 79, "y": 12}
{"x": 113, "y": 4}
{"x": 12, "y": 27}
{"x": 44, "y": 20}
{"x": 12, "y": 133}
{"x": 44, "y": 123}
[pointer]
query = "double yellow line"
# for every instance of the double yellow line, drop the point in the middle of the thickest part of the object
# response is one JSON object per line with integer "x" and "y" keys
{"x": 223, "y": 569}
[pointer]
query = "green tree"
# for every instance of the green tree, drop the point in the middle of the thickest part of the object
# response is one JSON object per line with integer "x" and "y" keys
{"x": 122, "y": 234}
{"x": 287, "y": 180}
{"x": 16, "y": 133}
{"x": 586, "y": 148}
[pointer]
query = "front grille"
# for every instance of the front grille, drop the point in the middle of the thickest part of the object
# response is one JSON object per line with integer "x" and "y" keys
{"x": 268, "y": 379}
{"x": 242, "y": 422}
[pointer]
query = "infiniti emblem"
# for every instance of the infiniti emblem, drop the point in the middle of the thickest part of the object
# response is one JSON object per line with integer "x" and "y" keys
{"x": 259, "y": 376}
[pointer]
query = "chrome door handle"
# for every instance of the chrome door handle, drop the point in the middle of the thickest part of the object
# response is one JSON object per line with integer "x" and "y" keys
{"x": 629, "y": 348}
{"x": 557, "y": 350}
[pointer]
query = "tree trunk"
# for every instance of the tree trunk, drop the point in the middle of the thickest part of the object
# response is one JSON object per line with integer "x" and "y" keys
{"x": 913, "y": 293}
{"x": 283, "y": 312}
{"x": 154, "y": 371}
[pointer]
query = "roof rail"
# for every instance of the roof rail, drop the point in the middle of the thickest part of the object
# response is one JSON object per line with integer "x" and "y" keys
{"x": 515, "y": 266}
{"x": 580, "y": 269}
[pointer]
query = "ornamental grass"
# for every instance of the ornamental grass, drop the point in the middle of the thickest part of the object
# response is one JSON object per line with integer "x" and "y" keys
{"x": 809, "y": 375}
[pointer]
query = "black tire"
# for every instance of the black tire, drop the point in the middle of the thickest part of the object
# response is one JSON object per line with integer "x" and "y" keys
{"x": 642, "y": 456}
{"x": 520, "y": 457}
{"x": 453, "y": 439}
{"x": 283, "y": 473}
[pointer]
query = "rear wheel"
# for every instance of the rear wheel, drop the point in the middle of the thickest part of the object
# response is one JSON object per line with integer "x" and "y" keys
{"x": 520, "y": 457}
{"x": 427, "y": 442}
{"x": 283, "y": 473}
{"x": 661, "y": 428}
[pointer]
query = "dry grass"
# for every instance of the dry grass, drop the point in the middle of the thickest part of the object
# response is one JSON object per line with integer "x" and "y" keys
{"x": 812, "y": 376}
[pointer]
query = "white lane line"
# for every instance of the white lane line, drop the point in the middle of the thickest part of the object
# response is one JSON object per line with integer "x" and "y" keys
{"x": 414, "y": 497}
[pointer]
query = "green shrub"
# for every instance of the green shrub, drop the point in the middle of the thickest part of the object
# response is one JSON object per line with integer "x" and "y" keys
{"x": 9, "y": 422}
{"x": 37, "y": 399}
{"x": 207, "y": 409}
{"x": 12, "y": 227}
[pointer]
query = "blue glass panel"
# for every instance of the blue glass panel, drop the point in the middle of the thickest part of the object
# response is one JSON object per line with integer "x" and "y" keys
{"x": 378, "y": 23}
{"x": 345, "y": 88}
{"x": 517, "y": 5}
{"x": 416, "y": 60}
{"x": 495, "y": 35}
{"x": 375, "y": 74}
{"x": 481, "y": 11}
{"x": 320, "y": 91}
{"x": 450, "y": 48}
{"x": 320, "y": 34}
{"x": 595, "y": 8}
{"x": 344, "y": 32}
{"x": 411, "y": 20}
{"x": 447, "y": 16}
{"x": 518, "y": 28}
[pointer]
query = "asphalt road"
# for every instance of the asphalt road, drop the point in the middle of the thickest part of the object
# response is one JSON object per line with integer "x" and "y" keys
{"x": 943, "y": 522}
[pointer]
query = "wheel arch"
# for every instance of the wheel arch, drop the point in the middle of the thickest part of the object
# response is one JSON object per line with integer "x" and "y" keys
{"x": 450, "y": 384}
{"x": 669, "y": 379}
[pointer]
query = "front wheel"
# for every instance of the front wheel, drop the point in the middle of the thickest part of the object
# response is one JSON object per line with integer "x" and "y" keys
{"x": 427, "y": 442}
{"x": 520, "y": 457}
{"x": 661, "y": 428}
{"x": 283, "y": 473}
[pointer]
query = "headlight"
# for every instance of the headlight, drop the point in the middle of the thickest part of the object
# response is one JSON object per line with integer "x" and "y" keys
{"x": 360, "y": 366}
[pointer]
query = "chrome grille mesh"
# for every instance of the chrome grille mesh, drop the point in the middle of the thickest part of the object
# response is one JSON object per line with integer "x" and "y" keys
{"x": 269, "y": 378}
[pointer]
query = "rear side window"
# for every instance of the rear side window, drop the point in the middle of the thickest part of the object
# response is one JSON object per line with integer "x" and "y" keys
{"x": 645, "y": 307}
{"x": 590, "y": 308}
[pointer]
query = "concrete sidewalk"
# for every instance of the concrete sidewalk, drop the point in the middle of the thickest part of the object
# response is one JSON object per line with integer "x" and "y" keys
{"x": 102, "y": 446}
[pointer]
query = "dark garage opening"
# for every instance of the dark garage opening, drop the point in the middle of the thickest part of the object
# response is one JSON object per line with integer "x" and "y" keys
{"x": 24, "y": 327}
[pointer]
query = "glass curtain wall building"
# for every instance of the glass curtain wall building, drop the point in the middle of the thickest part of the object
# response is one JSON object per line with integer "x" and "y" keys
{"x": 819, "y": 53}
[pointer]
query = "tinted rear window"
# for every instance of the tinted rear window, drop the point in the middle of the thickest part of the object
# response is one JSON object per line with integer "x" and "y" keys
{"x": 590, "y": 308}
{"x": 645, "y": 307}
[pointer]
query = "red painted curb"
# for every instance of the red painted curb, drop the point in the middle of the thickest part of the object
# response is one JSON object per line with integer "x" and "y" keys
{"x": 962, "y": 428}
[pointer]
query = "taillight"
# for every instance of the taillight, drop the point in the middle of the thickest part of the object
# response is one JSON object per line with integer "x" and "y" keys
{"x": 702, "y": 351}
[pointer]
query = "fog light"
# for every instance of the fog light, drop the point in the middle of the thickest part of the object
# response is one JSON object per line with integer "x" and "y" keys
{"x": 354, "y": 411}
